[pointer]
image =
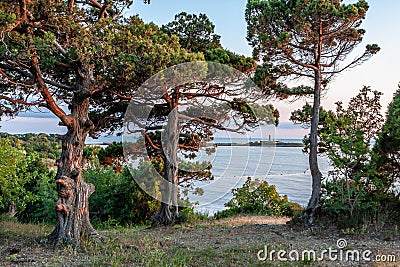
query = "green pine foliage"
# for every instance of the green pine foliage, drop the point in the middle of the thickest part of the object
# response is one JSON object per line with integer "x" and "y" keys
{"x": 359, "y": 189}
{"x": 195, "y": 32}
{"x": 352, "y": 193}
{"x": 386, "y": 156}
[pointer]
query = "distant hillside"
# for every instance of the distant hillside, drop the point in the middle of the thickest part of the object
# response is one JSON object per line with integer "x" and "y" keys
{"x": 48, "y": 145}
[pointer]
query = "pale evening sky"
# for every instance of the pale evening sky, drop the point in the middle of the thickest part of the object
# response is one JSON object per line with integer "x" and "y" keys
{"x": 381, "y": 72}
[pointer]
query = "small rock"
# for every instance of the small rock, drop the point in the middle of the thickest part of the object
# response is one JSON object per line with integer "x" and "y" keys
{"x": 14, "y": 250}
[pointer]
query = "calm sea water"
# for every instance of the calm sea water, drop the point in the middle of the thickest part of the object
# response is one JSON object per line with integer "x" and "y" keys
{"x": 285, "y": 167}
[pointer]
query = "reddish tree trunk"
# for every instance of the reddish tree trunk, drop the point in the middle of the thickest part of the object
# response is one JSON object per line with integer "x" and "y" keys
{"x": 72, "y": 207}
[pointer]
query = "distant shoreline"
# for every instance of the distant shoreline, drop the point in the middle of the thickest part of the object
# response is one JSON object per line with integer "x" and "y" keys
{"x": 256, "y": 143}
{"x": 263, "y": 143}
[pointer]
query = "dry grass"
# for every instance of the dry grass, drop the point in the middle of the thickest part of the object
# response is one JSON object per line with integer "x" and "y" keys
{"x": 229, "y": 242}
{"x": 252, "y": 220}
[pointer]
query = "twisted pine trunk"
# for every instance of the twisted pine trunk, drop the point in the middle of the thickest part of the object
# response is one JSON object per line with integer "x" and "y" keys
{"x": 314, "y": 203}
{"x": 72, "y": 207}
{"x": 169, "y": 211}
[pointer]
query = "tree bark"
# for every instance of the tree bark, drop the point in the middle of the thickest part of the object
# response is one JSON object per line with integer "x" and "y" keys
{"x": 11, "y": 209}
{"x": 169, "y": 211}
{"x": 72, "y": 207}
{"x": 314, "y": 203}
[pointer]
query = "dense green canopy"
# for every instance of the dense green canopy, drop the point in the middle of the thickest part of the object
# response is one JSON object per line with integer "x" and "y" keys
{"x": 113, "y": 54}
{"x": 387, "y": 148}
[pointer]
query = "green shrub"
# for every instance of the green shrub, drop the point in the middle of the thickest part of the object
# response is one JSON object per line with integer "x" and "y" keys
{"x": 356, "y": 204}
{"x": 118, "y": 199}
{"x": 259, "y": 198}
{"x": 26, "y": 180}
{"x": 14, "y": 176}
{"x": 189, "y": 216}
{"x": 43, "y": 188}
{"x": 357, "y": 191}
{"x": 347, "y": 205}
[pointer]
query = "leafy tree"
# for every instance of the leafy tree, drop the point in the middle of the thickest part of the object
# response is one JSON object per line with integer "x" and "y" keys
{"x": 90, "y": 157}
{"x": 348, "y": 138}
{"x": 361, "y": 116}
{"x": 31, "y": 187}
{"x": 303, "y": 117}
{"x": 13, "y": 176}
{"x": 49, "y": 146}
{"x": 242, "y": 63}
{"x": 82, "y": 61}
{"x": 112, "y": 155}
{"x": 308, "y": 39}
{"x": 386, "y": 156}
{"x": 195, "y": 32}
{"x": 345, "y": 138}
{"x": 24, "y": 178}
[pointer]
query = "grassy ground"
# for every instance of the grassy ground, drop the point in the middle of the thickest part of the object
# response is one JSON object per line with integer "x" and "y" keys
{"x": 229, "y": 242}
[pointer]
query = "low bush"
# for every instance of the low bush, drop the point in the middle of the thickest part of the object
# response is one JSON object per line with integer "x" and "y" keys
{"x": 190, "y": 216}
{"x": 27, "y": 181}
{"x": 118, "y": 200}
{"x": 257, "y": 197}
{"x": 356, "y": 204}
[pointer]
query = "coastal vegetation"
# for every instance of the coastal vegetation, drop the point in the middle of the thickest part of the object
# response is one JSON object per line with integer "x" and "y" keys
{"x": 309, "y": 40}
{"x": 85, "y": 62}
{"x": 257, "y": 197}
{"x": 359, "y": 190}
